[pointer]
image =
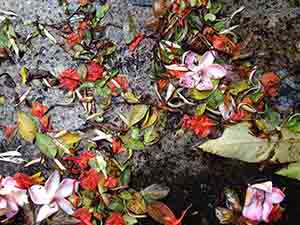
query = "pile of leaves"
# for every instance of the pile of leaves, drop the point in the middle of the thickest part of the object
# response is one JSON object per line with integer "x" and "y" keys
{"x": 203, "y": 69}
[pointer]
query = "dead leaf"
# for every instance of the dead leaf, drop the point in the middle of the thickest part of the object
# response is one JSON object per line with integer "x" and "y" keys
{"x": 136, "y": 114}
{"x": 26, "y": 126}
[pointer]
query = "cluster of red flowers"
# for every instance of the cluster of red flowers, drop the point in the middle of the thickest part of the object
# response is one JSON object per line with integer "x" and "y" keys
{"x": 201, "y": 125}
{"x": 70, "y": 78}
{"x": 75, "y": 38}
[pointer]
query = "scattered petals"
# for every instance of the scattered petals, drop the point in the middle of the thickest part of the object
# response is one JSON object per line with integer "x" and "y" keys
{"x": 89, "y": 180}
{"x": 69, "y": 79}
{"x": 115, "y": 219}
{"x": 94, "y": 71}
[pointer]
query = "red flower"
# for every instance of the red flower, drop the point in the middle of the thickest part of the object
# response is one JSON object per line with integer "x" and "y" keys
{"x": 238, "y": 116}
{"x": 84, "y": 215}
{"x": 73, "y": 39}
{"x": 135, "y": 42}
{"x": 201, "y": 125}
{"x": 83, "y": 159}
{"x": 38, "y": 110}
{"x": 23, "y": 181}
{"x": 111, "y": 182}
{"x": 117, "y": 146}
{"x": 89, "y": 180}
{"x": 118, "y": 83}
{"x": 270, "y": 82}
{"x": 115, "y": 219}
{"x": 94, "y": 71}
{"x": 69, "y": 79}
{"x": 45, "y": 124}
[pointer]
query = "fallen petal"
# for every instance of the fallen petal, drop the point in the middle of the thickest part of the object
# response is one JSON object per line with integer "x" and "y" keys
{"x": 266, "y": 186}
{"x": 208, "y": 58}
{"x": 46, "y": 211}
{"x": 277, "y": 195}
{"x": 38, "y": 195}
{"x": 205, "y": 84}
{"x": 215, "y": 71}
{"x": 66, "y": 206}
{"x": 66, "y": 188}
{"x": 191, "y": 60}
{"x": 267, "y": 209}
{"x": 52, "y": 184}
{"x": 253, "y": 211}
{"x": 188, "y": 80}
{"x": 177, "y": 67}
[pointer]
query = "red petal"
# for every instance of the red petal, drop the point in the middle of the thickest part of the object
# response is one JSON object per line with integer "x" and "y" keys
{"x": 160, "y": 212}
{"x": 111, "y": 182}
{"x": 84, "y": 216}
{"x": 89, "y": 180}
{"x": 115, "y": 219}
{"x": 69, "y": 79}
{"x": 73, "y": 39}
{"x": 122, "y": 83}
{"x": 9, "y": 132}
{"x": 135, "y": 42}
{"x": 23, "y": 180}
{"x": 117, "y": 146}
{"x": 38, "y": 110}
{"x": 94, "y": 71}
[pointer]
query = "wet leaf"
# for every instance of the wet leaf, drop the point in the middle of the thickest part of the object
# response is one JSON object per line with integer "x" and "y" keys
{"x": 200, "y": 109}
{"x": 237, "y": 143}
{"x": 130, "y": 97}
{"x": 151, "y": 136}
{"x": 70, "y": 138}
{"x": 125, "y": 176}
{"x": 129, "y": 220}
{"x": 239, "y": 87}
{"x": 62, "y": 218}
{"x": 46, "y": 145}
{"x": 116, "y": 205}
{"x": 151, "y": 119}
{"x": 159, "y": 211}
{"x": 137, "y": 204}
{"x": 155, "y": 192}
{"x": 137, "y": 113}
{"x": 24, "y": 74}
{"x": 292, "y": 171}
{"x": 101, "y": 12}
{"x": 293, "y": 124}
{"x": 215, "y": 99}
{"x": 27, "y": 126}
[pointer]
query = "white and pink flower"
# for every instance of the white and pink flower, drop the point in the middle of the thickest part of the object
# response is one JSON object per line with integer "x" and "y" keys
{"x": 11, "y": 198}
{"x": 199, "y": 70}
{"x": 52, "y": 196}
{"x": 260, "y": 200}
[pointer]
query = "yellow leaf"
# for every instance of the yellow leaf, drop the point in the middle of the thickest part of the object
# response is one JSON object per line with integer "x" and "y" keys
{"x": 24, "y": 74}
{"x": 26, "y": 126}
{"x": 151, "y": 119}
{"x": 70, "y": 138}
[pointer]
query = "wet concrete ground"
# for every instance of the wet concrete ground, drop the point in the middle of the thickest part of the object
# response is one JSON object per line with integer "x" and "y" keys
{"x": 193, "y": 176}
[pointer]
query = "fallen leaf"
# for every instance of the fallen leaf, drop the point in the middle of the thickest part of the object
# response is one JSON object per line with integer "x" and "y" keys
{"x": 136, "y": 114}
{"x": 26, "y": 126}
{"x": 155, "y": 192}
{"x": 24, "y": 74}
{"x": 293, "y": 123}
{"x": 292, "y": 171}
{"x": 137, "y": 204}
{"x": 70, "y": 138}
{"x": 46, "y": 145}
{"x": 237, "y": 143}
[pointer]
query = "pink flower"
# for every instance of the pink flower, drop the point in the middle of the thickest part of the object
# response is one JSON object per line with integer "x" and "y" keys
{"x": 52, "y": 196}
{"x": 200, "y": 70}
{"x": 11, "y": 198}
{"x": 260, "y": 200}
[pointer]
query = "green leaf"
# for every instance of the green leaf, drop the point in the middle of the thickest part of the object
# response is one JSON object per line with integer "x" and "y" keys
{"x": 151, "y": 136}
{"x": 237, "y": 143}
{"x": 200, "y": 109}
{"x": 26, "y": 126}
{"x": 101, "y": 11}
{"x": 46, "y": 145}
{"x": 215, "y": 7}
{"x": 293, "y": 123}
{"x": 137, "y": 204}
{"x": 129, "y": 29}
{"x": 125, "y": 176}
{"x": 137, "y": 113}
{"x": 24, "y": 74}
{"x": 103, "y": 91}
{"x": 239, "y": 87}
{"x": 215, "y": 99}
{"x": 292, "y": 171}
{"x": 99, "y": 163}
{"x": 155, "y": 192}
{"x": 219, "y": 26}
{"x": 134, "y": 144}
{"x": 199, "y": 95}
{"x": 86, "y": 85}
{"x": 116, "y": 205}
{"x": 129, "y": 220}
{"x": 210, "y": 17}
{"x": 4, "y": 43}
